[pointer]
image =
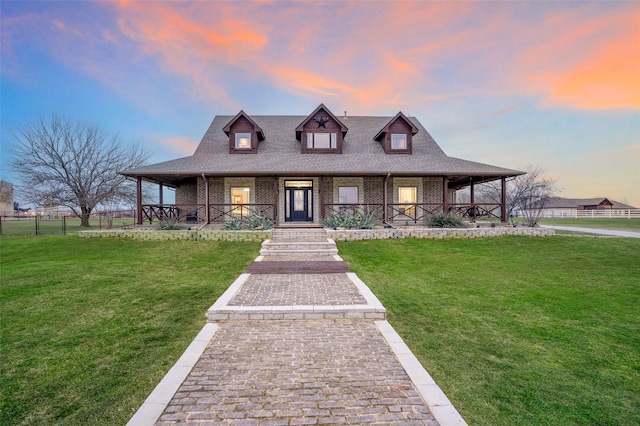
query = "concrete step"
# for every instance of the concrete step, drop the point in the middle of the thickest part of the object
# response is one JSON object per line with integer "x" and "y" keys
{"x": 299, "y": 245}
{"x": 326, "y": 247}
{"x": 299, "y": 234}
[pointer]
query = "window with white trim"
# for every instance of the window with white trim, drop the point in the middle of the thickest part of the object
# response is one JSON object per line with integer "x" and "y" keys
{"x": 322, "y": 140}
{"x": 240, "y": 197}
{"x": 398, "y": 141}
{"x": 408, "y": 195}
{"x": 348, "y": 195}
{"x": 243, "y": 140}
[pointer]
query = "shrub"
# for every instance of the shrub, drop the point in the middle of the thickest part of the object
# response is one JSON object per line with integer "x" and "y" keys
{"x": 170, "y": 225}
{"x": 446, "y": 221}
{"x": 257, "y": 220}
{"x": 233, "y": 224}
{"x": 361, "y": 219}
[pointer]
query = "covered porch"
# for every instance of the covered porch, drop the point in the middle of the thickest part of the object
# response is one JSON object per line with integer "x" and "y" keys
{"x": 311, "y": 199}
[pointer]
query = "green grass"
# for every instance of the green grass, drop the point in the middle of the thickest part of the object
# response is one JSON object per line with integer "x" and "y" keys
{"x": 620, "y": 224}
{"x": 90, "y": 326}
{"x": 517, "y": 330}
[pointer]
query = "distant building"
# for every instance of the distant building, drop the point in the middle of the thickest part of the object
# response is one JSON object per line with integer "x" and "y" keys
{"x": 583, "y": 207}
{"x": 6, "y": 198}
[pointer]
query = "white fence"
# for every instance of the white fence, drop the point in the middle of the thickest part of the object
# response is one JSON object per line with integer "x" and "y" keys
{"x": 593, "y": 214}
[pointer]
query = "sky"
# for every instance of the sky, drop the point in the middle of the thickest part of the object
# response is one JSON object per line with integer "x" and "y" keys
{"x": 555, "y": 85}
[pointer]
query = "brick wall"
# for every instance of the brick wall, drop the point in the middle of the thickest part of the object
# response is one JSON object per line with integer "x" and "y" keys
{"x": 186, "y": 194}
{"x": 432, "y": 189}
{"x": 264, "y": 190}
{"x": 373, "y": 190}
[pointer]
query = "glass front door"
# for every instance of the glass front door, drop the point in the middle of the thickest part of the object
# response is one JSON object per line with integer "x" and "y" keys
{"x": 299, "y": 201}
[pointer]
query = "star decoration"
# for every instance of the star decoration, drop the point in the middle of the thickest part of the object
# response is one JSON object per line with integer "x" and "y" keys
{"x": 322, "y": 122}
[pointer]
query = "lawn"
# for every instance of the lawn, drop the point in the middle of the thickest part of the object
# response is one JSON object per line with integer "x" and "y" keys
{"x": 90, "y": 326}
{"x": 517, "y": 330}
{"x": 619, "y": 224}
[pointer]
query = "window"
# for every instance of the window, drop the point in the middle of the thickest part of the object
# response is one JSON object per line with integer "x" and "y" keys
{"x": 239, "y": 200}
{"x": 408, "y": 195}
{"x": 243, "y": 140}
{"x": 348, "y": 195}
{"x": 398, "y": 141}
{"x": 322, "y": 140}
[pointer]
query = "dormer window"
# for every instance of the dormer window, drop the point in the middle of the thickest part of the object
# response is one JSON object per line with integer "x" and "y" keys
{"x": 399, "y": 141}
{"x": 244, "y": 134}
{"x": 322, "y": 140}
{"x": 396, "y": 137}
{"x": 243, "y": 140}
{"x": 321, "y": 133}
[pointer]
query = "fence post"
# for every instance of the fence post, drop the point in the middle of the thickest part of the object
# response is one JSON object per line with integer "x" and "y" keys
{"x": 64, "y": 225}
{"x": 36, "y": 222}
{"x": 0, "y": 225}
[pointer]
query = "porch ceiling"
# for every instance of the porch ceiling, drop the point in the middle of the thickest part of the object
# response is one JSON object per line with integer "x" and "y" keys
{"x": 455, "y": 182}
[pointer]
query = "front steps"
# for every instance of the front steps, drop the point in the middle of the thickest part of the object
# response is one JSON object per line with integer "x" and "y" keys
{"x": 297, "y": 241}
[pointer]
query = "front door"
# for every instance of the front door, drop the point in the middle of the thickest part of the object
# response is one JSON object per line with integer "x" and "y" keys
{"x": 299, "y": 201}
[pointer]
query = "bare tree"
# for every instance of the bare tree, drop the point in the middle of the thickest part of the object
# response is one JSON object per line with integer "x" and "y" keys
{"x": 527, "y": 195}
{"x": 73, "y": 164}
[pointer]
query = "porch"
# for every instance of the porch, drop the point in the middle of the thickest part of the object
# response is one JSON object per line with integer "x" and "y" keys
{"x": 285, "y": 200}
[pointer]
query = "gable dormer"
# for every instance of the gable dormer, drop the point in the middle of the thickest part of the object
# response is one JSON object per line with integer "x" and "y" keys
{"x": 244, "y": 134}
{"x": 321, "y": 132}
{"x": 397, "y": 136}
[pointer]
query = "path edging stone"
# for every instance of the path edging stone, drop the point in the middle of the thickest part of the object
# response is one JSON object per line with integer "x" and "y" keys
{"x": 152, "y": 408}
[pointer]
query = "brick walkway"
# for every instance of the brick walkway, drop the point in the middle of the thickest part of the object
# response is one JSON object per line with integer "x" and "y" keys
{"x": 321, "y": 353}
{"x": 298, "y": 289}
{"x": 298, "y": 373}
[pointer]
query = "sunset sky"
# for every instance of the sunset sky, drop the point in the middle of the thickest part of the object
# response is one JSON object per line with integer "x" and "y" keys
{"x": 551, "y": 84}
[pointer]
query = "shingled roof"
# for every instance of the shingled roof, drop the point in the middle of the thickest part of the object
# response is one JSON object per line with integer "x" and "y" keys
{"x": 280, "y": 154}
{"x": 574, "y": 203}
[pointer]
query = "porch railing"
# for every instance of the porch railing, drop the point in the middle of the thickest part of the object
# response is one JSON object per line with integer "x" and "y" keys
{"x": 474, "y": 211}
{"x": 416, "y": 213}
{"x": 224, "y": 212}
{"x": 197, "y": 213}
{"x": 176, "y": 212}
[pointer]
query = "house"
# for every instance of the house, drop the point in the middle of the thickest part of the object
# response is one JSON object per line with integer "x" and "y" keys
{"x": 585, "y": 207}
{"x": 302, "y": 168}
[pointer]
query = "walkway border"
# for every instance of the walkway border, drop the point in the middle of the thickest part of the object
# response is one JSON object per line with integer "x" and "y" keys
{"x": 152, "y": 408}
{"x": 437, "y": 402}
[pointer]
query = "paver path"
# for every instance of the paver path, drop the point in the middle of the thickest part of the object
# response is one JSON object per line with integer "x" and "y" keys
{"x": 298, "y": 373}
{"x": 297, "y": 349}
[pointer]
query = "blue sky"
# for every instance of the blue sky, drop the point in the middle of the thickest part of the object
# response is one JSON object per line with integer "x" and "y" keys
{"x": 552, "y": 84}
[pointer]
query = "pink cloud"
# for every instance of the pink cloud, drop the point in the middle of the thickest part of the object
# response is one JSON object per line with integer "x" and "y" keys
{"x": 362, "y": 55}
{"x": 602, "y": 68}
{"x": 181, "y": 144}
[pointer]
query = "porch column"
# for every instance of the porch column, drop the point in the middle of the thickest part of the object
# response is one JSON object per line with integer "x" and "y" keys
{"x": 139, "y": 199}
{"x": 445, "y": 194}
{"x": 275, "y": 199}
{"x": 321, "y": 190}
{"x": 473, "y": 199}
{"x": 503, "y": 203}
{"x": 385, "y": 213}
{"x": 161, "y": 200}
{"x": 207, "y": 200}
